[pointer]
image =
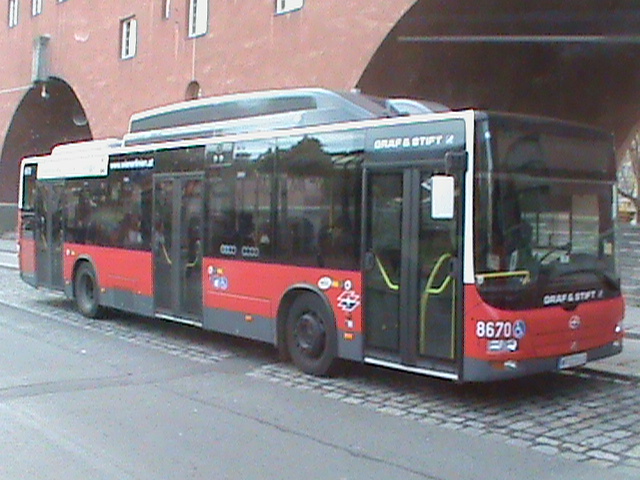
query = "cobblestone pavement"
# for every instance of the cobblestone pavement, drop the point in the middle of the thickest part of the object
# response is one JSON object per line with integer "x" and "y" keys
{"x": 581, "y": 415}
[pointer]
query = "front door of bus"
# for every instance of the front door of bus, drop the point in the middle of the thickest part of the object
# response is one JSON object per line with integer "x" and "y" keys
{"x": 410, "y": 263}
{"x": 177, "y": 246}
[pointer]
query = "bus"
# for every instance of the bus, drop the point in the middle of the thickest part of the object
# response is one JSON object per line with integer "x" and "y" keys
{"x": 466, "y": 245}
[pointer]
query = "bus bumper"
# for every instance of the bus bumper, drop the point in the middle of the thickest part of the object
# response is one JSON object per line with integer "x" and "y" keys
{"x": 475, "y": 370}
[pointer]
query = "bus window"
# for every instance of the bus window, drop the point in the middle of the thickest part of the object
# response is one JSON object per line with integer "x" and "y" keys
{"x": 538, "y": 223}
{"x": 28, "y": 187}
{"x": 239, "y": 202}
{"x": 110, "y": 213}
{"x": 318, "y": 210}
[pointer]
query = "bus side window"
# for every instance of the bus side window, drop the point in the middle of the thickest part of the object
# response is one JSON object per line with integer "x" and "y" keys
{"x": 320, "y": 182}
{"x": 240, "y": 203}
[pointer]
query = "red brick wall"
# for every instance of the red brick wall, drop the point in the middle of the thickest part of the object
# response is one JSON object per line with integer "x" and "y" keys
{"x": 327, "y": 43}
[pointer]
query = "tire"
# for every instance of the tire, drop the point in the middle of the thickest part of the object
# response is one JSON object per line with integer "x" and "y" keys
{"x": 311, "y": 335}
{"x": 87, "y": 291}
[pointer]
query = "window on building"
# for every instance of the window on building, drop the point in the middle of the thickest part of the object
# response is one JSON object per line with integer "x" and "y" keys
{"x": 198, "y": 17}
{"x": 194, "y": 91}
{"x": 166, "y": 9}
{"x": 129, "y": 34}
{"x": 13, "y": 13}
{"x": 286, "y": 6}
{"x": 36, "y": 7}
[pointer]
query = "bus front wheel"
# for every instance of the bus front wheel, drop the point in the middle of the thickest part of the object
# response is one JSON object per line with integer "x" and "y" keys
{"x": 311, "y": 335}
{"x": 86, "y": 291}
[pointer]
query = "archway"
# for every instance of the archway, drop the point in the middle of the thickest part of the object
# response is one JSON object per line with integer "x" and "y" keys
{"x": 576, "y": 59}
{"x": 49, "y": 114}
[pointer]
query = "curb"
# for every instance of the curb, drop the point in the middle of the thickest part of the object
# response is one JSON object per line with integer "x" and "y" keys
{"x": 610, "y": 374}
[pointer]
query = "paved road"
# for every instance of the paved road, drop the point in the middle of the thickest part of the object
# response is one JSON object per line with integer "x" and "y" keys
{"x": 8, "y": 259}
{"x": 136, "y": 398}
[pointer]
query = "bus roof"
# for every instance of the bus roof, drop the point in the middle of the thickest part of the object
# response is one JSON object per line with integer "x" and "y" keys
{"x": 254, "y": 111}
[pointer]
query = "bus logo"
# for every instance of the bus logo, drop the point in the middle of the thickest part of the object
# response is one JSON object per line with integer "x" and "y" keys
{"x": 348, "y": 301}
{"x": 575, "y": 322}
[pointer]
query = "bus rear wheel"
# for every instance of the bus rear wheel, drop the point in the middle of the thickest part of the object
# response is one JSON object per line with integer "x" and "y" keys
{"x": 311, "y": 335}
{"x": 87, "y": 291}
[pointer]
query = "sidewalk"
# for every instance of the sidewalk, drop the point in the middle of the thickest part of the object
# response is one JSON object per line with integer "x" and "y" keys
{"x": 632, "y": 322}
{"x": 628, "y": 362}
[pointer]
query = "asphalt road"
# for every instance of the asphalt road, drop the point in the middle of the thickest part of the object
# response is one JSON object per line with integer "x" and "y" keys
{"x": 8, "y": 259}
{"x": 132, "y": 398}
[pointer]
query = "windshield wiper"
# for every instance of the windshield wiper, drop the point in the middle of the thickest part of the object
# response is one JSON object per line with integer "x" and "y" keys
{"x": 566, "y": 247}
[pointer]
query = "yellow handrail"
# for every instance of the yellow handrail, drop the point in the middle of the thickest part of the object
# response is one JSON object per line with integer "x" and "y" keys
{"x": 193, "y": 264}
{"x": 166, "y": 255}
{"x": 385, "y": 276}
{"x": 195, "y": 261}
{"x": 526, "y": 274}
{"x": 430, "y": 290}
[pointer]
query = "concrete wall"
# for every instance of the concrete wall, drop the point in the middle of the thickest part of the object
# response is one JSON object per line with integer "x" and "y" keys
{"x": 8, "y": 217}
{"x": 629, "y": 260}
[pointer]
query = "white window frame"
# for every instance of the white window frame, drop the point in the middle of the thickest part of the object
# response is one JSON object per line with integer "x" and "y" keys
{"x": 14, "y": 8}
{"x": 198, "y": 18}
{"x": 287, "y": 6}
{"x": 36, "y": 7}
{"x": 128, "y": 38}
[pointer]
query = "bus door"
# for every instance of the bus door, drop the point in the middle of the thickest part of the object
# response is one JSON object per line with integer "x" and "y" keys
{"x": 412, "y": 286}
{"x": 177, "y": 246}
{"x": 49, "y": 234}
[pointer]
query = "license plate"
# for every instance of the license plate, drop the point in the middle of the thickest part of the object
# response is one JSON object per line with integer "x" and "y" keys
{"x": 571, "y": 361}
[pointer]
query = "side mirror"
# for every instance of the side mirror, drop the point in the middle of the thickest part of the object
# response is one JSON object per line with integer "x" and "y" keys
{"x": 442, "y": 197}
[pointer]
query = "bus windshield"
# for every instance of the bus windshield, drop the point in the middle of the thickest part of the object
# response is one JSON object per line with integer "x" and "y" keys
{"x": 544, "y": 214}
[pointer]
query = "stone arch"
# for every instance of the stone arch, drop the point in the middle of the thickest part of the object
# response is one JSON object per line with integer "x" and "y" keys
{"x": 48, "y": 114}
{"x": 578, "y": 59}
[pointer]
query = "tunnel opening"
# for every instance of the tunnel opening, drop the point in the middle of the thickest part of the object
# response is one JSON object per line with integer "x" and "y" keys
{"x": 49, "y": 114}
{"x": 577, "y": 60}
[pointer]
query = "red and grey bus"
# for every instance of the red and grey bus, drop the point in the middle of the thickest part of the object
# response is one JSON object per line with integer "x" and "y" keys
{"x": 467, "y": 245}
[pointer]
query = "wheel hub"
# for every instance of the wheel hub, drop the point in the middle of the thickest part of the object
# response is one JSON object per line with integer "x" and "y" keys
{"x": 310, "y": 334}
